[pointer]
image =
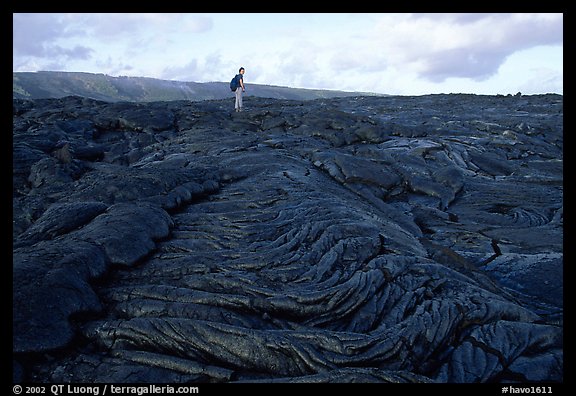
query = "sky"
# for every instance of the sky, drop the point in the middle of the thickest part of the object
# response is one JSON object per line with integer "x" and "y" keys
{"x": 389, "y": 53}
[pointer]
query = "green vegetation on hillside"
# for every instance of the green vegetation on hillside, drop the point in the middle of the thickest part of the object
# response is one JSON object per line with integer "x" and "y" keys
{"x": 49, "y": 84}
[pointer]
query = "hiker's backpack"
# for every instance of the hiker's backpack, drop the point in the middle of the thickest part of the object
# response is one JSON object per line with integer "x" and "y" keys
{"x": 234, "y": 84}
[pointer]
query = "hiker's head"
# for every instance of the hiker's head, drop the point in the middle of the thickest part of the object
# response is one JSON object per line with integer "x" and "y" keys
{"x": 241, "y": 70}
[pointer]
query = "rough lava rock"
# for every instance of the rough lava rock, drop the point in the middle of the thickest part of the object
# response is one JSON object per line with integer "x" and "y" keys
{"x": 360, "y": 239}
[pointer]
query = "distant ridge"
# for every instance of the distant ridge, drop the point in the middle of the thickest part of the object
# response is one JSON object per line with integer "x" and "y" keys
{"x": 54, "y": 84}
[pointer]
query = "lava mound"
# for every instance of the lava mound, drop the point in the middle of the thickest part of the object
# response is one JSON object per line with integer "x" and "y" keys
{"x": 359, "y": 239}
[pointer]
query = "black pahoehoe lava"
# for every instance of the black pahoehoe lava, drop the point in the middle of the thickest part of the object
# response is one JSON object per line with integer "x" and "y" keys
{"x": 367, "y": 239}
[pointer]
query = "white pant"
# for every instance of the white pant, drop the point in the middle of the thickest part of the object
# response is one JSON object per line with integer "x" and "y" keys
{"x": 238, "y": 104}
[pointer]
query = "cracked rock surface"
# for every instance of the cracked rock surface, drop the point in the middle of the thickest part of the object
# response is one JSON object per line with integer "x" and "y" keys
{"x": 361, "y": 239}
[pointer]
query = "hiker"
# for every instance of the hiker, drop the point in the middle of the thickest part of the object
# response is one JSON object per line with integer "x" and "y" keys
{"x": 239, "y": 89}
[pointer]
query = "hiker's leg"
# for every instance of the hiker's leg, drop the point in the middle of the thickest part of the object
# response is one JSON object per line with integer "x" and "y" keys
{"x": 238, "y": 102}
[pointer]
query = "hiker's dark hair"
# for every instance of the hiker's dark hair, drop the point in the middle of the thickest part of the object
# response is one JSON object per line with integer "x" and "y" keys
{"x": 239, "y": 70}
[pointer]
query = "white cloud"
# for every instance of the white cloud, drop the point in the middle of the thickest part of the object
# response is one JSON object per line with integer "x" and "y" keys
{"x": 388, "y": 53}
{"x": 197, "y": 24}
{"x": 439, "y": 46}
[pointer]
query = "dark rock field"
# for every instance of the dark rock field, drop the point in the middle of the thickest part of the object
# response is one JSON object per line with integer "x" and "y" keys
{"x": 358, "y": 239}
